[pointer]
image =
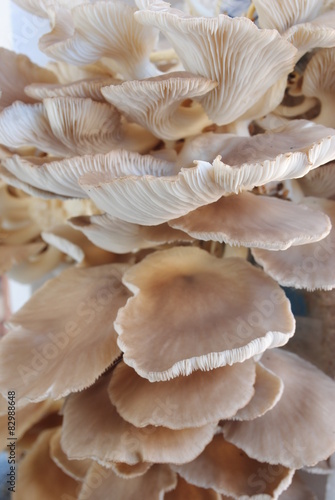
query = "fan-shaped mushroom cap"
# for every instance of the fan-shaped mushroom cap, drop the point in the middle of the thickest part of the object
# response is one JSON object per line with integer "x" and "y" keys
{"x": 299, "y": 430}
{"x": 319, "y": 182}
{"x": 17, "y": 71}
{"x": 42, "y": 7}
{"x": 185, "y": 490}
{"x": 39, "y": 477}
{"x": 308, "y": 266}
{"x": 288, "y": 153}
{"x": 185, "y": 401}
{"x": 61, "y": 177}
{"x": 156, "y": 103}
{"x": 129, "y": 471}
{"x": 282, "y": 14}
{"x": 118, "y": 236}
{"x": 109, "y": 438}
{"x": 224, "y": 328}
{"x": 100, "y": 482}
{"x": 90, "y": 88}
{"x": 103, "y": 29}
{"x": 268, "y": 391}
{"x": 232, "y": 52}
{"x": 319, "y": 81}
{"x": 228, "y": 470}
{"x": 77, "y": 469}
{"x": 57, "y": 344}
{"x": 255, "y": 221}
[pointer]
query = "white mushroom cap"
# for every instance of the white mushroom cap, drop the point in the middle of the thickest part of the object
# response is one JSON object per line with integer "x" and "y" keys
{"x": 299, "y": 430}
{"x": 156, "y": 103}
{"x": 61, "y": 346}
{"x": 61, "y": 177}
{"x": 103, "y": 29}
{"x": 319, "y": 182}
{"x": 287, "y": 153}
{"x": 231, "y": 330}
{"x": 17, "y": 71}
{"x": 232, "y": 52}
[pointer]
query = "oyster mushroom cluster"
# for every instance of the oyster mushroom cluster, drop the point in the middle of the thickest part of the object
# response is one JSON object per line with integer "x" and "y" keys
{"x": 174, "y": 168}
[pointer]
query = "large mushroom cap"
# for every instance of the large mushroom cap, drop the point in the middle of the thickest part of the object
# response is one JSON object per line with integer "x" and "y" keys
{"x": 202, "y": 311}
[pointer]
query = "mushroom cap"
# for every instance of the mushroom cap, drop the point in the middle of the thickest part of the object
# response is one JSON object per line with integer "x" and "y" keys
{"x": 54, "y": 341}
{"x": 228, "y": 470}
{"x": 232, "y": 52}
{"x": 299, "y": 430}
{"x": 282, "y": 14}
{"x": 39, "y": 477}
{"x": 287, "y": 153}
{"x": 156, "y": 103}
{"x": 61, "y": 177}
{"x": 152, "y": 485}
{"x": 109, "y": 438}
{"x": 118, "y": 236}
{"x": 103, "y": 29}
{"x": 184, "y": 401}
{"x": 203, "y": 327}
{"x": 185, "y": 490}
{"x": 77, "y": 469}
{"x": 309, "y": 266}
{"x": 255, "y": 221}
{"x": 319, "y": 182}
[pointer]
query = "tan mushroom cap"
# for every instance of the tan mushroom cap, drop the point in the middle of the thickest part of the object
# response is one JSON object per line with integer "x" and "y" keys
{"x": 118, "y": 236}
{"x": 300, "y": 429}
{"x": 184, "y": 401}
{"x": 61, "y": 177}
{"x": 77, "y": 469}
{"x": 319, "y": 81}
{"x": 17, "y": 71}
{"x": 255, "y": 221}
{"x": 156, "y": 103}
{"x": 319, "y": 182}
{"x": 282, "y": 14}
{"x": 39, "y": 477}
{"x": 310, "y": 266}
{"x": 109, "y": 438}
{"x": 228, "y": 470}
{"x": 287, "y": 153}
{"x": 232, "y": 52}
{"x": 185, "y": 491}
{"x": 61, "y": 345}
{"x": 90, "y": 88}
{"x": 103, "y": 29}
{"x": 100, "y": 483}
{"x": 200, "y": 325}
{"x": 268, "y": 391}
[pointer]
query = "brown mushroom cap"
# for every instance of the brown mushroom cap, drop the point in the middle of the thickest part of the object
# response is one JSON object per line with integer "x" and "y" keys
{"x": 200, "y": 324}
{"x": 77, "y": 469}
{"x": 109, "y": 438}
{"x": 228, "y": 470}
{"x": 255, "y": 221}
{"x": 61, "y": 345}
{"x": 184, "y": 401}
{"x": 300, "y": 429}
{"x": 308, "y": 266}
{"x": 185, "y": 490}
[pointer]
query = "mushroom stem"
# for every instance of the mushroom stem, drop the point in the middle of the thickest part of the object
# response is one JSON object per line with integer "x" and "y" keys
{"x": 163, "y": 55}
{"x": 251, "y": 12}
{"x": 136, "y": 138}
{"x": 326, "y": 115}
{"x": 230, "y": 251}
